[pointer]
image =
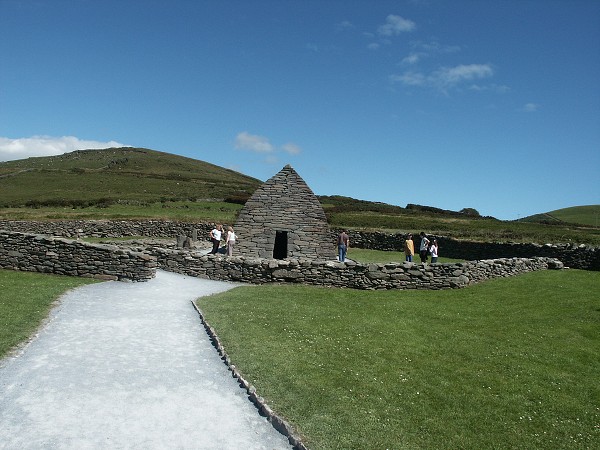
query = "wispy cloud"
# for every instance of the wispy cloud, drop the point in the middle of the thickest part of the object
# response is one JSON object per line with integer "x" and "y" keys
{"x": 434, "y": 47}
{"x": 11, "y": 149}
{"x": 451, "y": 76}
{"x": 395, "y": 25}
{"x": 530, "y": 107}
{"x": 291, "y": 149}
{"x": 445, "y": 78}
{"x": 498, "y": 88}
{"x": 412, "y": 59}
{"x": 253, "y": 142}
{"x": 263, "y": 145}
{"x": 410, "y": 79}
{"x": 344, "y": 25}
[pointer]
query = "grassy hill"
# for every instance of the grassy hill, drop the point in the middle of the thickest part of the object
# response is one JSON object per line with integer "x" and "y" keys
{"x": 127, "y": 183}
{"x": 117, "y": 175}
{"x": 357, "y": 214}
{"x": 584, "y": 215}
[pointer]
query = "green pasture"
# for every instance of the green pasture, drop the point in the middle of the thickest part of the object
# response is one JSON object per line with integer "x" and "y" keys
{"x": 477, "y": 229}
{"x": 484, "y": 230}
{"x": 185, "y": 211}
{"x": 377, "y": 256}
{"x": 588, "y": 215}
{"x": 510, "y": 363}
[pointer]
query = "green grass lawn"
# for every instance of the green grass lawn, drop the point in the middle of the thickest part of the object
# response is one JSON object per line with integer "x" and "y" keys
{"x": 366, "y": 256}
{"x": 25, "y": 300}
{"x": 183, "y": 211}
{"x": 510, "y": 363}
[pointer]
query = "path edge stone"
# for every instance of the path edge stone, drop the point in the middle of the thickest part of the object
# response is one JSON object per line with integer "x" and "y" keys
{"x": 281, "y": 425}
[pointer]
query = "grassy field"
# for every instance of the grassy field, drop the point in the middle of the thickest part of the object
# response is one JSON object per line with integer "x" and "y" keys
{"x": 179, "y": 210}
{"x": 510, "y": 363}
{"x": 465, "y": 228}
{"x": 584, "y": 215}
{"x": 377, "y": 256}
{"x": 25, "y": 302}
{"x": 483, "y": 230}
{"x": 588, "y": 215}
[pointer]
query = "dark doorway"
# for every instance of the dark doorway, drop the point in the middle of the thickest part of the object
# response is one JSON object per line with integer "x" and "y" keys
{"x": 281, "y": 241}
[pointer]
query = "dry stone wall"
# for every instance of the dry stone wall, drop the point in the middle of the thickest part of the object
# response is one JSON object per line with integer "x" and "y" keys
{"x": 577, "y": 256}
{"x": 37, "y": 253}
{"x": 109, "y": 228}
{"x": 348, "y": 274}
{"x": 22, "y": 251}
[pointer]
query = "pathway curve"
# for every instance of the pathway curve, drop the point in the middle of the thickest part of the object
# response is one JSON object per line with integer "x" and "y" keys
{"x": 128, "y": 365}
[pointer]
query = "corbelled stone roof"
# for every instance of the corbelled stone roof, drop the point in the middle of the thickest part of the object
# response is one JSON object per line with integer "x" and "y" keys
{"x": 282, "y": 209}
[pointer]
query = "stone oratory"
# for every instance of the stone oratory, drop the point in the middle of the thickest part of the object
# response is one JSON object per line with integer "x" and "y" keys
{"x": 284, "y": 219}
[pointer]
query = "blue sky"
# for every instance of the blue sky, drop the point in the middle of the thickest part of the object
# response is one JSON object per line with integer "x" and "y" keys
{"x": 492, "y": 105}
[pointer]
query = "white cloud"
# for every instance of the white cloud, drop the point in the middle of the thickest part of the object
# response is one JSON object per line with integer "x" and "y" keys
{"x": 11, "y": 149}
{"x": 531, "y": 107}
{"x": 344, "y": 25}
{"x": 263, "y": 146}
{"x": 445, "y": 77}
{"x": 395, "y": 25}
{"x": 450, "y": 76}
{"x": 499, "y": 88}
{"x": 434, "y": 47}
{"x": 291, "y": 149}
{"x": 412, "y": 59}
{"x": 254, "y": 143}
{"x": 272, "y": 159}
{"x": 410, "y": 79}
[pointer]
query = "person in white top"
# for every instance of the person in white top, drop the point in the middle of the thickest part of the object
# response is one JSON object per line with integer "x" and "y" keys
{"x": 230, "y": 242}
{"x": 433, "y": 249}
{"x": 423, "y": 247}
{"x": 215, "y": 237}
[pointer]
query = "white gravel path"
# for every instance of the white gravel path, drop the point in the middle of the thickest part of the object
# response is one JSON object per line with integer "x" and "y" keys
{"x": 128, "y": 366}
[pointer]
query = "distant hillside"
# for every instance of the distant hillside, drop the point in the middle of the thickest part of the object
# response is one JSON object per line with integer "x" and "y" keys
{"x": 124, "y": 175}
{"x": 583, "y": 215}
{"x": 339, "y": 204}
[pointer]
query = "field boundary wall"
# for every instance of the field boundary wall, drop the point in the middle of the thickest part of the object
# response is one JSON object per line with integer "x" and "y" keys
{"x": 47, "y": 253}
{"x": 39, "y": 253}
{"x": 348, "y": 274}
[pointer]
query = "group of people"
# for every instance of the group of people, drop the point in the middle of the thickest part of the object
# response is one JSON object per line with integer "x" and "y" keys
{"x": 216, "y": 236}
{"x": 426, "y": 248}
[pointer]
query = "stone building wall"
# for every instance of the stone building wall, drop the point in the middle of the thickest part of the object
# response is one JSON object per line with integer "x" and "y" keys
{"x": 36, "y": 253}
{"x": 284, "y": 219}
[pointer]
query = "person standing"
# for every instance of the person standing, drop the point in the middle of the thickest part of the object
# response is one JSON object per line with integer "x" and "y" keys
{"x": 423, "y": 247}
{"x": 215, "y": 237}
{"x": 230, "y": 242}
{"x": 409, "y": 248}
{"x": 343, "y": 244}
{"x": 433, "y": 249}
